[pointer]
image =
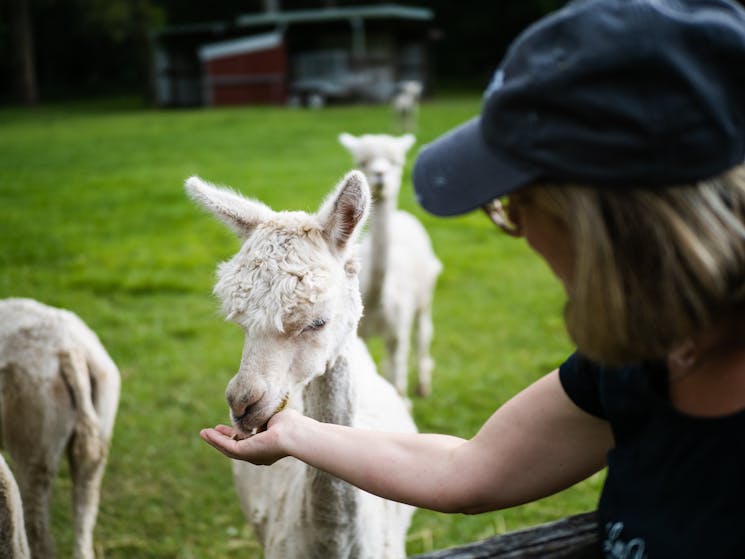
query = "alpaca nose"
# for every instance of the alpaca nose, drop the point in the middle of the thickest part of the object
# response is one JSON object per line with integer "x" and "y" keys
{"x": 239, "y": 411}
{"x": 376, "y": 178}
{"x": 241, "y": 407}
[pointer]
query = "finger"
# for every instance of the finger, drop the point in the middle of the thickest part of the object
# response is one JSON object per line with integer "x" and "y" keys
{"x": 221, "y": 442}
{"x": 225, "y": 430}
{"x": 212, "y": 436}
{"x": 234, "y": 434}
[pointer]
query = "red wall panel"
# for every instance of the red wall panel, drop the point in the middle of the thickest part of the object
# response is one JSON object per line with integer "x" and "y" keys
{"x": 256, "y": 77}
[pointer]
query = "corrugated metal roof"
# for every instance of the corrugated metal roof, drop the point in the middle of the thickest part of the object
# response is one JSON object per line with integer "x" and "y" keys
{"x": 241, "y": 45}
{"x": 382, "y": 11}
{"x": 389, "y": 11}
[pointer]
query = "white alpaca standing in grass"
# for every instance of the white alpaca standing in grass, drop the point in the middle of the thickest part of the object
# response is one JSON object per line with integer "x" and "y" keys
{"x": 405, "y": 105}
{"x": 399, "y": 268}
{"x": 59, "y": 390}
{"x": 13, "y": 539}
{"x": 293, "y": 288}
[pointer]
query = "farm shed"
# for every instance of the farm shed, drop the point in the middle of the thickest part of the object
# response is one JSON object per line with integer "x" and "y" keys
{"x": 246, "y": 70}
{"x": 354, "y": 53}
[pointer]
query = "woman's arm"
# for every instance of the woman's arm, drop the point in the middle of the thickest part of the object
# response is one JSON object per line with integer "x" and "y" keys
{"x": 537, "y": 443}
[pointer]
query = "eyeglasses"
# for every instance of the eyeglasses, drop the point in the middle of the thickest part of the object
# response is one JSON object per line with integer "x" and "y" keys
{"x": 503, "y": 214}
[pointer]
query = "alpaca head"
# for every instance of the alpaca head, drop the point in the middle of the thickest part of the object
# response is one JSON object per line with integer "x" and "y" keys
{"x": 292, "y": 287}
{"x": 411, "y": 88}
{"x": 381, "y": 157}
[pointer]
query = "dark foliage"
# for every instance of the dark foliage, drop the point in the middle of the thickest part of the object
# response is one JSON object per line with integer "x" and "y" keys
{"x": 100, "y": 46}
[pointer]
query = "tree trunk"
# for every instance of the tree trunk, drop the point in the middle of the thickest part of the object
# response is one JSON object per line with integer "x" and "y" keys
{"x": 23, "y": 43}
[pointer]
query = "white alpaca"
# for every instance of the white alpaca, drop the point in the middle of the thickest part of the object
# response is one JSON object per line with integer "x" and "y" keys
{"x": 13, "y": 540}
{"x": 293, "y": 288}
{"x": 399, "y": 268}
{"x": 59, "y": 390}
{"x": 405, "y": 105}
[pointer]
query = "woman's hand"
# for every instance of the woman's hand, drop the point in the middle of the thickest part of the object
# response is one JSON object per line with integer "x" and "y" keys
{"x": 262, "y": 449}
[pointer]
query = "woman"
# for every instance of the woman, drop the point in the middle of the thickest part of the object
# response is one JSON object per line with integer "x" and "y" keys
{"x": 612, "y": 138}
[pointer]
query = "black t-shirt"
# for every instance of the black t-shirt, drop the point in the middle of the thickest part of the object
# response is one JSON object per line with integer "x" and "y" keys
{"x": 675, "y": 485}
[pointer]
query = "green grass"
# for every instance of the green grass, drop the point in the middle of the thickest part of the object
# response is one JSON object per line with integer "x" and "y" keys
{"x": 93, "y": 218}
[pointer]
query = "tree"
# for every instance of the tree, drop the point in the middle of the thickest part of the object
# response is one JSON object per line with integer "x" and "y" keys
{"x": 23, "y": 46}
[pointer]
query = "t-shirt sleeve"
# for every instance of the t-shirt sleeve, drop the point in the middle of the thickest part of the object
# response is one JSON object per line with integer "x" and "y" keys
{"x": 580, "y": 380}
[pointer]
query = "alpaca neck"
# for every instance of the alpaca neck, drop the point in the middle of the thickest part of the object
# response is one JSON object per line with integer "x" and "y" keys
{"x": 380, "y": 238}
{"x": 331, "y": 504}
{"x": 329, "y": 397}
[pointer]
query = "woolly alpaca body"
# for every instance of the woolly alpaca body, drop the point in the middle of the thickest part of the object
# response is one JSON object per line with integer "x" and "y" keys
{"x": 59, "y": 389}
{"x": 399, "y": 267}
{"x": 293, "y": 288}
{"x": 13, "y": 540}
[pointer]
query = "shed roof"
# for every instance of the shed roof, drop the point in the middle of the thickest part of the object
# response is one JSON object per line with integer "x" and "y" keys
{"x": 241, "y": 45}
{"x": 383, "y": 11}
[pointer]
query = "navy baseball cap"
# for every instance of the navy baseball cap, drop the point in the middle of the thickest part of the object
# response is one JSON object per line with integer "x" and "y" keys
{"x": 608, "y": 93}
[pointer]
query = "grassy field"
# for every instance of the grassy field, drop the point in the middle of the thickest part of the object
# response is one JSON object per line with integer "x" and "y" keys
{"x": 93, "y": 218}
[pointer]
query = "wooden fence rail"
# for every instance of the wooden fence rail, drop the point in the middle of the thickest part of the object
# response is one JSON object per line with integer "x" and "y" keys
{"x": 575, "y": 537}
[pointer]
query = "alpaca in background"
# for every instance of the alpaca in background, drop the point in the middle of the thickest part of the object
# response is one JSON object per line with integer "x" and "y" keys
{"x": 399, "y": 268}
{"x": 293, "y": 288}
{"x": 59, "y": 390}
{"x": 405, "y": 105}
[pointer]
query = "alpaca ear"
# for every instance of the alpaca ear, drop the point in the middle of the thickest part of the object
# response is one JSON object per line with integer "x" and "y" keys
{"x": 344, "y": 212}
{"x": 406, "y": 141}
{"x": 348, "y": 141}
{"x": 240, "y": 214}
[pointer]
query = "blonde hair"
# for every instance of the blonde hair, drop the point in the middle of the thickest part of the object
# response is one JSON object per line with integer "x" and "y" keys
{"x": 652, "y": 267}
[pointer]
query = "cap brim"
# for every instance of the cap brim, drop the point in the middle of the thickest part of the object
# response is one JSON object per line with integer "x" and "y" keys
{"x": 459, "y": 172}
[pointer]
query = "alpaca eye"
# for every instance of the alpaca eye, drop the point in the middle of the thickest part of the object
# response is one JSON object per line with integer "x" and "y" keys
{"x": 317, "y": 324}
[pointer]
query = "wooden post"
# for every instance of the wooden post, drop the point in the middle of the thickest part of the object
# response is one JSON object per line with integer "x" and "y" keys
{"x": 575, "y": 537}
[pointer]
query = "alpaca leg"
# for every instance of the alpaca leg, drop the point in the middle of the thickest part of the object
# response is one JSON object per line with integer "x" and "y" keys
{"x": 35, "y": 482}
{"x": 398, "y": 354}
{"x": 425, "y": 364}
{"x": 389, "y": 367}
{"x": 89, "y": 446}
{"x": 86, "y": 472}
{"x": 410, "y": 120}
